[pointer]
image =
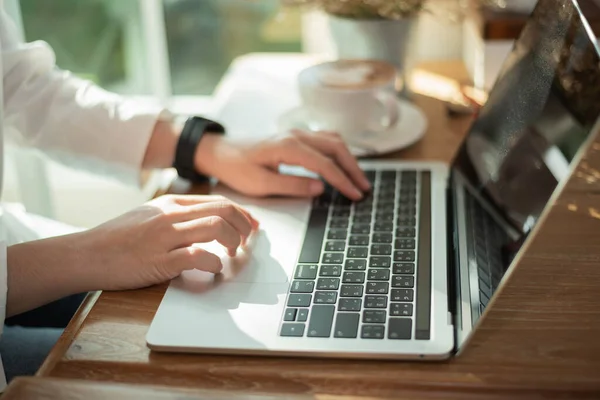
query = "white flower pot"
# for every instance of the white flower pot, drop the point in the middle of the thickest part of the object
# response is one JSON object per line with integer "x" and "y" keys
{"x": 385, "y": 40}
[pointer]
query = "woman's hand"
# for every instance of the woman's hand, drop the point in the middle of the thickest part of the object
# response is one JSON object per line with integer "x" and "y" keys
{"x": 252, "y": 168}
{"x": 149, "y": 245}
{"x": 153, "y": 243}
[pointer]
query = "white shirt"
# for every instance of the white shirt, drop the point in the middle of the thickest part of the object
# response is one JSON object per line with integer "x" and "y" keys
{"x": 68, "y": 118}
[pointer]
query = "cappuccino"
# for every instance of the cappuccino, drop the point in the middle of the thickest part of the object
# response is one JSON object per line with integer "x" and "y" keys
{"x": 351, "y": 74}
{"x": 353, "y": 97}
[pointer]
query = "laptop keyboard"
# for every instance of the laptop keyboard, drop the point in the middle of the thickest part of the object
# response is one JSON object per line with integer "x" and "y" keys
{"x": 488, "y": 239}
{"x": 364, "y": 271}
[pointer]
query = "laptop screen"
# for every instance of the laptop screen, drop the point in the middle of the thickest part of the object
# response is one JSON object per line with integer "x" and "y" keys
{"x": 542, "y": 108}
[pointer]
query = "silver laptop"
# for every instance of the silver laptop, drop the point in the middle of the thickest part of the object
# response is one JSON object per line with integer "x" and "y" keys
{"x": 409, "y": 271}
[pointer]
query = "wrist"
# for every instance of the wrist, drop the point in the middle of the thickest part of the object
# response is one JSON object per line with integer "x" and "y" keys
{"x": 42, "y": 271}
{"x": 205, "y": 160}
{"x": 160, "y": 152}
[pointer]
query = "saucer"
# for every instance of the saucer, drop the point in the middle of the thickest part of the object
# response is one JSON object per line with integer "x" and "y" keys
{"x": 410, "y": 128}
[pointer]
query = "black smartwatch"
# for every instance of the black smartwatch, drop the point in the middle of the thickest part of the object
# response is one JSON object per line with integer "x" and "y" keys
{"x": 191, "y": 135}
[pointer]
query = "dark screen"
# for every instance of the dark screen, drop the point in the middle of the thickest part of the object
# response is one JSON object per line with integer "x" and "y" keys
{"x": 541, "y": 110}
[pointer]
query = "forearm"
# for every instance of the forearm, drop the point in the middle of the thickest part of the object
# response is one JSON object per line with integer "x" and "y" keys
{"x": 43, "y": 271}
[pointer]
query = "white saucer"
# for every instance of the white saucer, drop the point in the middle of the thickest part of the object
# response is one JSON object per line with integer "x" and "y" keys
{"x": 410, "y": 128}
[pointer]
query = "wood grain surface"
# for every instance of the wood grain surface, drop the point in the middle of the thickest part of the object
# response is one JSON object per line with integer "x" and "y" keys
{"x": 540, "y": 336}
{"x": 63, "y": 389}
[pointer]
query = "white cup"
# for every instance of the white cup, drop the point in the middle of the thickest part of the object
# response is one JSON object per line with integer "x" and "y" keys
{"x": 355, "y": 98}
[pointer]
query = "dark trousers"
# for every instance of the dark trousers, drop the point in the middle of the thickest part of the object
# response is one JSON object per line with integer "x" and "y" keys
{"x": 28, "y": 338}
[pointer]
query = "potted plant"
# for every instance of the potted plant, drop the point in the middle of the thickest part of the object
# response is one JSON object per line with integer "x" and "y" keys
{"x": 373, "y": 29}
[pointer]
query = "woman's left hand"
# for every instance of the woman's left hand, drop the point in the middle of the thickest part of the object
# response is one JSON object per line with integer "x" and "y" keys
{"x": 252, "y": 168}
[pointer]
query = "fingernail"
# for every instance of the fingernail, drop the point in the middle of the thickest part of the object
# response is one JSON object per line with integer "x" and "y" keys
{"x": 358, "y": 194}
{"x": 366, "y": 184}
{"x": 316, "y": 188}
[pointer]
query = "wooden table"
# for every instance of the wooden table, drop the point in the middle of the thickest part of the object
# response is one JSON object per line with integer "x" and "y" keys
{"x": 539, "y": 338}
{"x": 36, "y": 388}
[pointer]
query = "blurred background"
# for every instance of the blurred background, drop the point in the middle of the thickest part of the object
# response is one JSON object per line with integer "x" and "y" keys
{"x": 175, "y": 52}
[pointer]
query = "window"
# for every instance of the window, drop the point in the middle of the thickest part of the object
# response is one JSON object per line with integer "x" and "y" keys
{"x": 107, "y": 40}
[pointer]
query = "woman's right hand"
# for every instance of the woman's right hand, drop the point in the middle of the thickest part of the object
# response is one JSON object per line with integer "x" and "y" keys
{"x": 153, "y": 243}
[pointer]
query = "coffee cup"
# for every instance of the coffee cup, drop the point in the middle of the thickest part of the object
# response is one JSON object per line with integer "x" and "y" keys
{"x": 355, "y": 98}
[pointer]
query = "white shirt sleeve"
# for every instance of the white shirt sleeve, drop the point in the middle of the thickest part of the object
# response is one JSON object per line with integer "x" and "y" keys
{"x": 69, "y": 118}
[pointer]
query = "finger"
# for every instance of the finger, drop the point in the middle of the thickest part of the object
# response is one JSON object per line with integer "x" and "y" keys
{"x": 197, "y": 200}
{"x": 225, "y": 209}
{"x": 273, "y": 183}
{"x": 332, "y": 145}
{"x": 189, "y": 258}
{"x": 297, "y": 153}
{"x": 204, "y": 230}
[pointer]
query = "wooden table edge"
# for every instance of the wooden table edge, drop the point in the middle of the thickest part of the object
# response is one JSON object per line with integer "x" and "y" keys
{"x": 68, "y": 335}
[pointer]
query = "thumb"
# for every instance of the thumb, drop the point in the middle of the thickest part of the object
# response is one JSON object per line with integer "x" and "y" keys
{"x": 289, "y": 185}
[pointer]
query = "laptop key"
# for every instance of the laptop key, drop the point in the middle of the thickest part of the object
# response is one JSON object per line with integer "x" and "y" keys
{"x": 355, "y": 265}
{"x": 335, "y": 234}
{"x": 379, "y": 274}
{"x": 378, "y": 287}
{"x": 351, "y": 291}
{"x": 362, "y": 219}
{"x": 404, "y": 255}
{"x": 371, "y": 175}
{"x": 399, "y": 281}
{"x": 401, "y": 310}
{"x": 313, "y": 240}
{"x": 388, "y": 175}
{"x": 372, "y": 332}
{"x": 374, "y": 316}
{"x": 333, "y": 258}
{"x": 302, "y": 315}
{"x": 380, "y": 262}
{"x": 403, "y": 268}
{"x": 399, "y": 328}
{"x": 306, "y": 272}
{"x": 321, "y": 320}
{"x": 346, "y": 325}
{"x": 292, "y": 329}
{"x": 299, "y": 300}
{"x": 341, "y": 213}
{"x": 382, "y": 238}
{"x": 359, "y": 240}
{"x": 361, "y": 229}
{"x": 406, "y": 221}
{"x": 406, "y": 232}
{"x": 483, "y": 299}
{"x": 381, "y": 250}
{"x": 349, "y": 304}
{"x": 325, "y": 297}
{"x": 358, "y": 252}
{"x": 402, "y": 295}
{"x": 328, "y": 283}
{"x": 339, "y": 223}
{"x": 385, "y": 217}
{"x": 354, "y": 277}
{"x": 383, "y": 226}
{"x": 330, "y": 270}
{"x": 302, "y": 287}
{"x": 376, "y": 301}
{"x": 402, "y": 244}
{"x": 336, "y": 245}
{"x": 290, "y": 314}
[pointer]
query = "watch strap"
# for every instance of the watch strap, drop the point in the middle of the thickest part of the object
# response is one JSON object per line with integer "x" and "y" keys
{"x": 192, "y": 133}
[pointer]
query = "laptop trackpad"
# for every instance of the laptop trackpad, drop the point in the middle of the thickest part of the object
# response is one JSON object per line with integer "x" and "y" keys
{"x": 273, "y": 250}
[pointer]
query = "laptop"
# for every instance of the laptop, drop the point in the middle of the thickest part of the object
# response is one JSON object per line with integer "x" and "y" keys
{"x": 408, "y": 272}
